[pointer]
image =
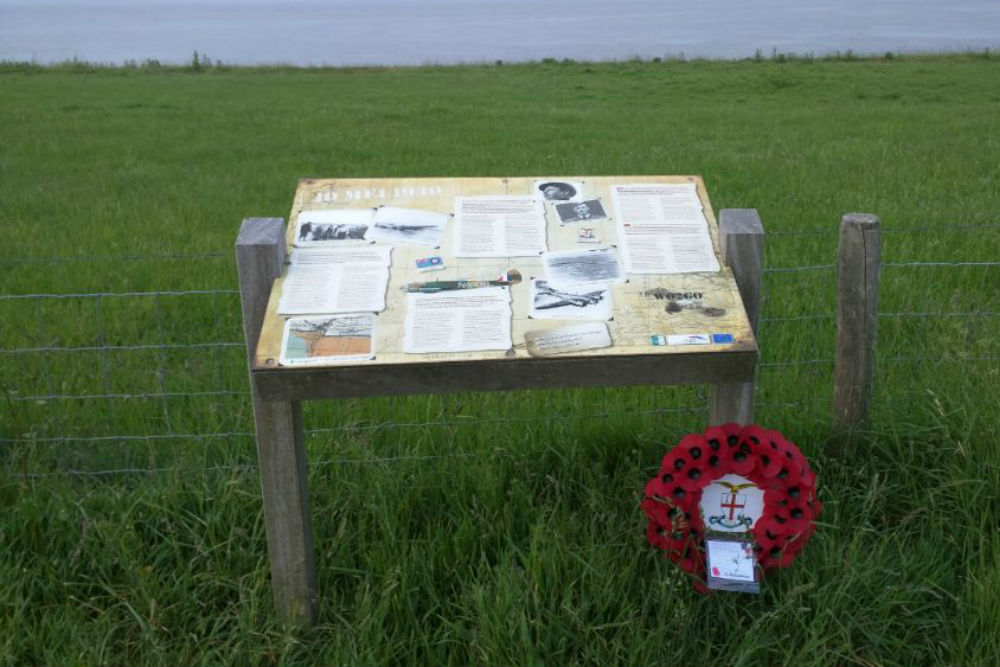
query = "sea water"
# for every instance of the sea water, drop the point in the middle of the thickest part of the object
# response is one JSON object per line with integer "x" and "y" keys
{"x": 413, "y": 32}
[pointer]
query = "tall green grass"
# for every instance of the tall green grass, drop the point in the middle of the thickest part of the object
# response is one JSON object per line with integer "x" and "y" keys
{"x": 485, "y": 528}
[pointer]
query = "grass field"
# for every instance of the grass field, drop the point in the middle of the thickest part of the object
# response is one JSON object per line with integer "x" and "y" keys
{"x": 494, "y": 528}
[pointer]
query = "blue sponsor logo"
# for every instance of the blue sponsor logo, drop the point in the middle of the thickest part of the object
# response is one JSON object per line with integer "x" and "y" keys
{"x": 435, "y": 262}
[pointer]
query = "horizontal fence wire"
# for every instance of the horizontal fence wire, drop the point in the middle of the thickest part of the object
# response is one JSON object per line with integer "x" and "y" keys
{"x": 814, "y": 356}
{"x": 252, "y": 466}
{"x": 479, "y": 421}
{"x": 972, "y": 313}
{"x": 790, "y": 404}
{"x": 817, "y": 231}
{"x": 380, "y": 426}
{"x": 795, "y": 362}
{"x": 104, "y": 295}
{"x": 835, "y": 229}
{"x": 796, "y": 269}
{"x": 894, "y": 265}
{"x": 126, "y": 438}
{"x": 938, "y": 360}
{"x": 799, "y": 318}
{"x": 126, "y": 396}
{"x": 938, "y": 228}
{"x": 100, "y": 348}
{"x": 830, "y": 316}
{"x": 95, "y": 259}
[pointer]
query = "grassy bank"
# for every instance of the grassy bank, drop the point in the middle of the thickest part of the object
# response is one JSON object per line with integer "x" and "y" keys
{"x": 497, "y": 528}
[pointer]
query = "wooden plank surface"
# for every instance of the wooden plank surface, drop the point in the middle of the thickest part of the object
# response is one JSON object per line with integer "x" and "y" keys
{"x": 501, "y": 374}
{"x": 640, "y": 310}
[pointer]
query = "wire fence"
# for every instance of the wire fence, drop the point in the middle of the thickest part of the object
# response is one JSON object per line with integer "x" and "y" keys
{"x": 93, "y": 378}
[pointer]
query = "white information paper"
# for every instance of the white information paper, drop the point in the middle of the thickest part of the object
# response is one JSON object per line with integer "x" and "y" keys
{"x": 511, "y": 226}
{"x": 662, "y": 229}
{"x": 572, "y": 338}
{"x": 336, "y": 280}
{"x": 407, "y": 225}
{"x": 462, "y": 320}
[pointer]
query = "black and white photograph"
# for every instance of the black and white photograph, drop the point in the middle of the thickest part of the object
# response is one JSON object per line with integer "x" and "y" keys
{"x": 590, "y": 210}
{"x": 407, "y": 225}
{"x": 570, "y": 302}
{"x": 316, "y": 228}
{"x": 597, "y": 265}
{"x": 560, "y": 190}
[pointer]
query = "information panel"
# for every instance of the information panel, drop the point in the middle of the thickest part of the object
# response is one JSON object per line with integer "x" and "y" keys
{"x": 413, "y": 271}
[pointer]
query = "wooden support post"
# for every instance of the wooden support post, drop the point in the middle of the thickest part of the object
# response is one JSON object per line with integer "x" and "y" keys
{"x": 741, "y": 236}
{"x": 260, "y": 258}
{"x": 858, "y": 263}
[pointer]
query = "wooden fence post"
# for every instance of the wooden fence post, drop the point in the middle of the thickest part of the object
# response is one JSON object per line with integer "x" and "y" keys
{"x": 858, "y": 263}
{"x": 741, "y": 236}
{"x": 260, "y": 258}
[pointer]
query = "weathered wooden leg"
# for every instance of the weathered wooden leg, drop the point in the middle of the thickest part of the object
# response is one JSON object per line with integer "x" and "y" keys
{"x": 284, "y": 483}
{"x": 858, "y": 264}
{"x": 260, "y": 257}
{"x": 741, "y": 236}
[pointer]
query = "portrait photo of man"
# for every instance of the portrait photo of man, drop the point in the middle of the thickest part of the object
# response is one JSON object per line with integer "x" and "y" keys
{"x": 582, "y": 211}
{"x": 559, "y": 190}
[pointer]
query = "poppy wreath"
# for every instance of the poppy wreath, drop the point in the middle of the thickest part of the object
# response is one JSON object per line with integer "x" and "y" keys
{"x": 761, "y": 456}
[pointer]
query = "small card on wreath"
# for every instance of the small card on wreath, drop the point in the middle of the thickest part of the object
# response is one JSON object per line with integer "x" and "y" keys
{"x": 731, "y": 566}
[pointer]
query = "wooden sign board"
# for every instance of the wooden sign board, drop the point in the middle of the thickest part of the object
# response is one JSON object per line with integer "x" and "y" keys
{"x": 663, "y": 328}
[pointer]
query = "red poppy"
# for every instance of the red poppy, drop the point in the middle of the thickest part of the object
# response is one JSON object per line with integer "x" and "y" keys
{"x": 656, "y": 535}
{"x": 656, "y": 488}
{"x": 744, "y": 458}
{"x": 657, "y": 511}
{"x": 766, "y": 540}
{"x": 731, "y": 429}
{"x": 693, "y": 562}
{"x": 755, "y": 434}
{"x": 790, "y": 473}
{"x": 773, "y": 495}
{"x": 694, "y": 476}
{"x": 689, "y": 441}
{"x": 785, "y": 558}
{"x": 715, "y": 436}
{"x": 799, "y": 516}
{"x": 793, "y": 453}
{"x": 770, "y": 455}
{"x": 673, "y": 466}
{"x": 776, "y": 523}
